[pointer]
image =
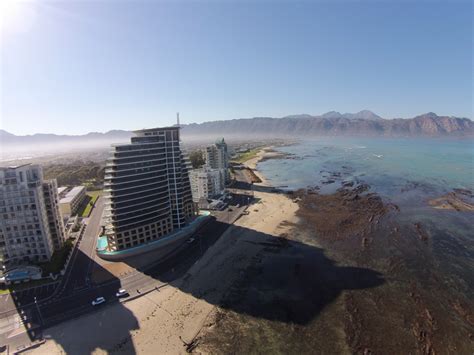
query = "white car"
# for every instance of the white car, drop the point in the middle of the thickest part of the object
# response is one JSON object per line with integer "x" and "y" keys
{"x": 98, "y": 300}
{"x": 190, "y": 240}
{"x": 121, "y": 293}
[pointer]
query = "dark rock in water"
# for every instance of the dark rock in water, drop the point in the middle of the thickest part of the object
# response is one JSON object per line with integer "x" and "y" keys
{"x": 361, "y": 188}
{"x": 328, "y": 182}
{"x": 365, "y": 242}
{"x": 458, "y": 201}
{"x": 465, "y": 192}
{"x": 348, "y": 183}
{"x": 418, "y": 185}
{"x": 421, "y": 232}
{"x": 393, "y": 206}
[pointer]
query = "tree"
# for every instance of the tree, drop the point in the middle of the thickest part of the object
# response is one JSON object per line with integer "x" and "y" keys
{"x": 197, "y": 158}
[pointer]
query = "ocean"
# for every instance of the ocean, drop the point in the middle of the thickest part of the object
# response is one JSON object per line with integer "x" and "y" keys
{"x": 405, "y": 172}
{"x": 393, "y": 168}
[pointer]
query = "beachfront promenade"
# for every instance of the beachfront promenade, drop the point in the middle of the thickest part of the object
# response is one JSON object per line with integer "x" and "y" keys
{"x": 21, "y": 320}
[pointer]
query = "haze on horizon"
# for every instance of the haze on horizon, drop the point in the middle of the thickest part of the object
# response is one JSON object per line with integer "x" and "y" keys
{"x": 76, "y": 67}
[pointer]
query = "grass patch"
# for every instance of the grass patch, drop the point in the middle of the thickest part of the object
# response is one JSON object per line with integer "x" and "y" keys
{"x": 91, "y": 199}
{"x": 58, "y": 259}
{"x": 243, "y": 157}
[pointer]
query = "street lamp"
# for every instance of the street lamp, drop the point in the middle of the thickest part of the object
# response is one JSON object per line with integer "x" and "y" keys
{"x": 39, "y": 312}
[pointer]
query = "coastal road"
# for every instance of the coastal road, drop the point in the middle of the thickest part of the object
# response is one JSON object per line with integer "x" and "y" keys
{"x": 76, "y": 293}
{"x": 77, "y": 275}
{"x": 174, "y": 266}
{"x": 76, "y": 278}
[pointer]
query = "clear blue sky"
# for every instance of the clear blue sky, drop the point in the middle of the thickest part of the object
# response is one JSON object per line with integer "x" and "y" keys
{"x": 74, "y": 67}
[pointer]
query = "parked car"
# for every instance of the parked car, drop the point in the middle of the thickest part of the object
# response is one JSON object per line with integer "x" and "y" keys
{"x": 98, "y": 300}
{"x": 121, "y": 293}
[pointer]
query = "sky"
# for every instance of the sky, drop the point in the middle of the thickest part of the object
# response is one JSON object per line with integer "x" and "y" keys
{"x": 72, "y": 67}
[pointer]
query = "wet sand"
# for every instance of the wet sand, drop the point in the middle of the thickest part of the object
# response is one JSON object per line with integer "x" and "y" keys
{"x": 182, "y": 312}
{"x": 306, "y": 273}
{"x": 404, "y": 297}
{"x": 264, "y": 154}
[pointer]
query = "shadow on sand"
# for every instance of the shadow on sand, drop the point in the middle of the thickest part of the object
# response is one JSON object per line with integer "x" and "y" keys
{"x": 245, "y": 271}
{"x": 261, "y": 275}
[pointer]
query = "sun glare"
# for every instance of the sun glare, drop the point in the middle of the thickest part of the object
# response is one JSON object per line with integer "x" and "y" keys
{"x": 13, "y": 13}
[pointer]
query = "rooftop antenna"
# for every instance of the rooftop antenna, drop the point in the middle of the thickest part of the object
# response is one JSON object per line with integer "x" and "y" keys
{"x": 177, "y": 118}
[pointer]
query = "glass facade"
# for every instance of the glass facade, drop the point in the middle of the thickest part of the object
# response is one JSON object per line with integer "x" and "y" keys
{"x": 148, "y": 189}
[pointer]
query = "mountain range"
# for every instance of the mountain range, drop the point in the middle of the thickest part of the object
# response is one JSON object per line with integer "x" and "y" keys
{"x": 363, "y": 123}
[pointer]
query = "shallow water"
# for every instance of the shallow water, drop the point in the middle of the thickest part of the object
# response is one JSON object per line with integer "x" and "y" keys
{"x": 392, "y": 167}
{"x": 407, "y": 172}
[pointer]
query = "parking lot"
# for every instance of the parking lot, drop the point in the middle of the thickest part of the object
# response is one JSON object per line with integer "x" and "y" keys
{"x": 25, "y": 296}
{"x": 236, "y": 206}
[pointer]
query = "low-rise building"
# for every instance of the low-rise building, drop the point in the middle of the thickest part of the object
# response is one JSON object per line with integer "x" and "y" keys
{"x": 62, "y": 191}
{"x": 71, "y": 202}
{"x": 206, "y": 183}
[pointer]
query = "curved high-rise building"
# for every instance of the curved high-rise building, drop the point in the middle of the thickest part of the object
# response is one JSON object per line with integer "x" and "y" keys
{"x": 148, "y": 192}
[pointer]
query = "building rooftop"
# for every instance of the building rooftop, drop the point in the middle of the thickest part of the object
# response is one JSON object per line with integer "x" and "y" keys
{"x": 61, "y": 189}
{"x": 14, "y": 166}
{"x": 172, "y": 128}
{"x": 71, "y": 194}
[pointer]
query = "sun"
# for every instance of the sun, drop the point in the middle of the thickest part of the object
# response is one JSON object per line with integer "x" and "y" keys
{"x": 13, "y": 13}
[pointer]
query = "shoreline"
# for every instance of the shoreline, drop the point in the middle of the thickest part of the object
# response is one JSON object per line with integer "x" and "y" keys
{"x": 302, "y": 271}
{"x": 188, "y": 309}
{"x": 398, "y": 273}
{"x": 264, "y": 153}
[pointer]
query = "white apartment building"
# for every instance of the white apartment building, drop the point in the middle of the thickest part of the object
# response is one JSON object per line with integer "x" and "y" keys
{"x": 55, "y": 219}
{"x": 25, "y": 232}
{"x": 206, "y": 183}
{"x": 72, "y": 200}
{"x": 217, "y": 157}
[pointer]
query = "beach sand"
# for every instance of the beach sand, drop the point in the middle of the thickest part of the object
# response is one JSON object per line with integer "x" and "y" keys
{"x": 301, "y": 273}
{"x": 264, "y": 154}
{"x": 163, "y": 320}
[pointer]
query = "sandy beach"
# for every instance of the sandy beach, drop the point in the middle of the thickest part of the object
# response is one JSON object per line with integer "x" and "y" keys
{"x": 304, "y": 273}
{"x": 264, "y": 154}
{"x": 186, "y": 309}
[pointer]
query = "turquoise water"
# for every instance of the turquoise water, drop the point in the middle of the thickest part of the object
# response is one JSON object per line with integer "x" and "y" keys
{"x": 392, "y": 167}
{"x": 405, "y": 172}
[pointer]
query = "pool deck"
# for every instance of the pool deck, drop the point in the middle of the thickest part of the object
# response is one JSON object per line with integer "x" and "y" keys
{"x": 176, "y": 237}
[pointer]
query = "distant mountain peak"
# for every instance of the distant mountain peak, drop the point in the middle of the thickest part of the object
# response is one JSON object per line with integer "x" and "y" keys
{"x": 331, "y": 114}
{"x": 364, "y": 115}
{"x": 428, "y": 116}
{"x": 301, "y": 115}
{"x": 4, "y": 133}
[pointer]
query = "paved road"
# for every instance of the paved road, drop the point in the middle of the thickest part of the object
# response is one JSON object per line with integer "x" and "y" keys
{"x": 19, "y": 307}
{"x": 76, "y": 292}
{"x": 77, "y": 273}
{"x": 176, "y": 265}
{"x": 77, "y": 276}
